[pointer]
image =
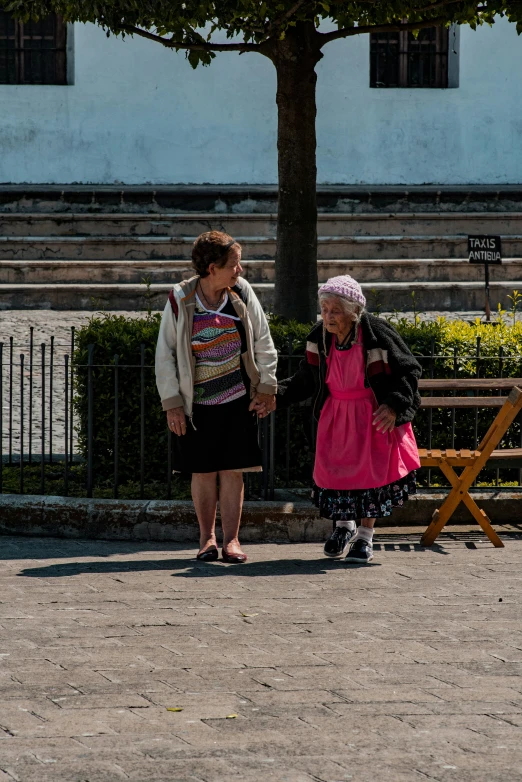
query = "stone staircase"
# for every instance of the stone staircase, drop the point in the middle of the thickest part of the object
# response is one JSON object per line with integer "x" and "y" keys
{"x": 79, "y": 253}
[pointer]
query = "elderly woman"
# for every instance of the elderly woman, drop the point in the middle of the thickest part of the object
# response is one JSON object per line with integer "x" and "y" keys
{"x": 215, "y": 372}
{"x": 363, "y": 382}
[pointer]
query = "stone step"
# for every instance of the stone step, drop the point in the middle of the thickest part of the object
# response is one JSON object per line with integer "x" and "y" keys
{"x": 385, "y": 296}
{"x": 136, "y": 225}
{"x": 256, "y": 225}
{"x": 255, "y": 248}
{"x": 159, "y": 199}
{"x": 168, "y": 272}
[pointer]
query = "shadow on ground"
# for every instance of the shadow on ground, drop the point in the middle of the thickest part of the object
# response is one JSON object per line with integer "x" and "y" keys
{"x": 192, "y": 568}
{"x": 188, "y": 566}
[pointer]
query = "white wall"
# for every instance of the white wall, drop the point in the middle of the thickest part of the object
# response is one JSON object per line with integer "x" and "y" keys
{"x": 139, "y": 114}
{"x": 471, "y": 134}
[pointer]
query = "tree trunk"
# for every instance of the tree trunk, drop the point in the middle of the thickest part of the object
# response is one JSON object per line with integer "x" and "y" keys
{"x": 295, "y": 59}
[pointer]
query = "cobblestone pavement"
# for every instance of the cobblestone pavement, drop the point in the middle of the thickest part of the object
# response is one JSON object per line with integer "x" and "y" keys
{"x": 129, "y": 661}
{"x": 46, "y": 324}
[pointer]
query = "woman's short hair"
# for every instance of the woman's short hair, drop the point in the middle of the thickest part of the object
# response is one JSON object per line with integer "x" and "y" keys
{"x": 211, "y": 247}
{"x": 349, "y": 307}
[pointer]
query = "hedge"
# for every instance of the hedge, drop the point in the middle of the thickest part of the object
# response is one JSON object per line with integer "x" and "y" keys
{"x": 445, "y": 348}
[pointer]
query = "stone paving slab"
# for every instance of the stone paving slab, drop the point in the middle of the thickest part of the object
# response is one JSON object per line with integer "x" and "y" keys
{"x": 290, "y": 668}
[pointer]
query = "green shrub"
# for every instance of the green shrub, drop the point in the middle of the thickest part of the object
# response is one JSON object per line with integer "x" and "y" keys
{"x": 118, "y": 335}
{"x": 435, "y": 343}
{"x": 55, "y": 486}
{"x": 463, "y": 349}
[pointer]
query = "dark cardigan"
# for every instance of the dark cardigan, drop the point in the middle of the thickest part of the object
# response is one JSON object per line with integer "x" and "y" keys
{"x": 391, "y": 370}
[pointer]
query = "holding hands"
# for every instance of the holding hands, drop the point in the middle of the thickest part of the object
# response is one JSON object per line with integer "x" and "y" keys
{"x": 263, "y": 404}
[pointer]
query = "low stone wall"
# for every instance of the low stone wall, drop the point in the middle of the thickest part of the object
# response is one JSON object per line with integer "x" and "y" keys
{"x": 176, "y": 521}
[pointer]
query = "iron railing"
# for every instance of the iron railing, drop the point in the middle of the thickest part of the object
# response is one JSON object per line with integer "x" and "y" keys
{"x": 50, "y": 437}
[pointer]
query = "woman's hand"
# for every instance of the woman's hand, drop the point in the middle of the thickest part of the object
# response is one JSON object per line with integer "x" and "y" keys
{"x": 384, "y": 419}
{"x": 263, "y": 404}
{"x": 176, "y": 420}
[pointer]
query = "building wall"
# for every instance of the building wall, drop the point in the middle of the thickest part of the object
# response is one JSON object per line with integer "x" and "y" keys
{"x": 138, "y": 114}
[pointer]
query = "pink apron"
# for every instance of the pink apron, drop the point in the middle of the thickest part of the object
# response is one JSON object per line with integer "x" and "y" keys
{"x": 350, "y": 452}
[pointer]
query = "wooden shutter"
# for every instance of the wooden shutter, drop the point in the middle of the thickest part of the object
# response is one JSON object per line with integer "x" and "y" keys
{"x": 33, "y": 52}
{"x": 401, "y": 60}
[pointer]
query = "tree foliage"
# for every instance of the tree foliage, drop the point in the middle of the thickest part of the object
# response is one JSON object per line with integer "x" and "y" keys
{"x": 204, "y": 27}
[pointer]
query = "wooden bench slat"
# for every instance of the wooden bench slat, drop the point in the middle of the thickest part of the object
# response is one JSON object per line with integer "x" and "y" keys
{"x": 462, "y": 401}
{"x": 501, "y": 453}
{"x": 507, "y": 453}
{"x": 456, "y": 462}
{"x": 503, "y": 464}
{"x": 472, "y": 383}
{"x": 460, "y": 459}
{"x": 501, "y": 458}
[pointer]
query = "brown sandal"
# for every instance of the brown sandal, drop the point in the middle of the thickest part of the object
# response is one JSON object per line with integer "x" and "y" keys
{"x": 233, "y": 559}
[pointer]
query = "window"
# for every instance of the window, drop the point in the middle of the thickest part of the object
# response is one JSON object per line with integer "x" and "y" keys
{"x": 401, "y": 60}
{"x": 32, "y": 52}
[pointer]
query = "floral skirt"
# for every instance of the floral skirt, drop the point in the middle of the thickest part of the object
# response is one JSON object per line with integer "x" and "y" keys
{"x": 351, "y": 504}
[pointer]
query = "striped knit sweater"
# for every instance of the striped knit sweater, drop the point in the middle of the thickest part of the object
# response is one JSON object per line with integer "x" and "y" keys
{"x": 216, "y": 346}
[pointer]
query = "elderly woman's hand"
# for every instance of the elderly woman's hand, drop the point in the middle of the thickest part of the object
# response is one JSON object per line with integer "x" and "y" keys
{"x": 384, "y": 419}
{"x": 176, "y": 420}
{"x": 263, "y": 404}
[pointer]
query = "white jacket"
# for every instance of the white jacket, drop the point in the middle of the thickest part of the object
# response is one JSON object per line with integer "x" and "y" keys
{"x": 174, "y": 359}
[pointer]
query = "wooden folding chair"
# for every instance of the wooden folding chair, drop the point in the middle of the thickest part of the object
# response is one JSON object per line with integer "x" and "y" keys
{"x": 472, "y": 462}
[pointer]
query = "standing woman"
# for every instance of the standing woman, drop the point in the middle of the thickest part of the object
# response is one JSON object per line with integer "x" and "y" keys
{"x": 215, "y": 372}
{"x": 363, "y": 382}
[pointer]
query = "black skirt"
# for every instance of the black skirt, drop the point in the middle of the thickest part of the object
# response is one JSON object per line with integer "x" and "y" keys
{"x": 222, "y": 437}
{"x": 352, "y": 504}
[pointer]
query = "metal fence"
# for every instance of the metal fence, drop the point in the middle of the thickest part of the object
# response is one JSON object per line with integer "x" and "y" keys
{"x": 50, "y": 437}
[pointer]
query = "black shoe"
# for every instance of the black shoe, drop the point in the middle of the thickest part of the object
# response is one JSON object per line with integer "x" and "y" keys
{"x": 338, "y": 542}
{"x": 360, "y": 551}
{"x": 210, "y": 555}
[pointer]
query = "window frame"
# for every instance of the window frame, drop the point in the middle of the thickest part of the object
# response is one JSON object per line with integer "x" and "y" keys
{"x": 446, "y": 62}
{"x": 22, "y": 38}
